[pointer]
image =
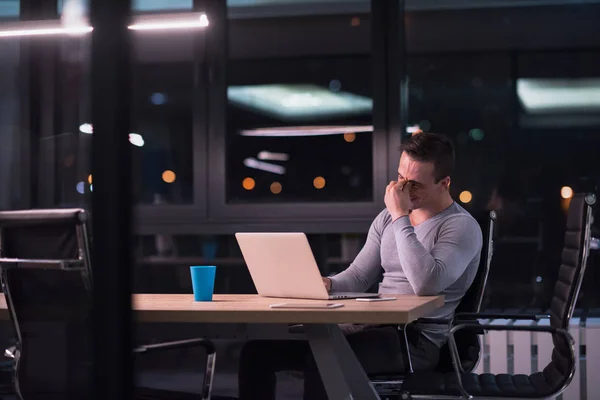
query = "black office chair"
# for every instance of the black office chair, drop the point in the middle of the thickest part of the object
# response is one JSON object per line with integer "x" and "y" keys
{"x": 46, "y": 277}
{"x": 469, "y": 341}
{"x": 559, "y": 372}
{"x": 469, "y": 345}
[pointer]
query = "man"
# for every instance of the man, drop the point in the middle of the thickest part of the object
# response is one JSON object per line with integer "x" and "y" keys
{"x": 425, "y": 243}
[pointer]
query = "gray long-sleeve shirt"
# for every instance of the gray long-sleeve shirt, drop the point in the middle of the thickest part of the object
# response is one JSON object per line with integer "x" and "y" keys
{"x": 439, "y": 256}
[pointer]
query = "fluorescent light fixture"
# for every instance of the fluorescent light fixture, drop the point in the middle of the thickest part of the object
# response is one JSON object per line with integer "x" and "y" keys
{"x": 293, "y": 131}
{"x": 86, "y": 128}
{"x": 550, "y": 96}
{"x": 136, "y": 139}
{"x": 80, "y": 26}
{"x": 296, "y": 102}
{"x": 170, "y": 22}
{"x": 267, "y": 155}
{"x": 263, "y": 166}
{"x": 41, "y": 28}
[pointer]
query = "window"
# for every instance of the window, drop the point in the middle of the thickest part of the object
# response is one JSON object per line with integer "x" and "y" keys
{"x": 300, "y": 130}
{"x": 163, "y": 114}
{"x": 162, "y": 137}
{"x": 10, "y": 130}
{"x": 524, "y": 127}
{"x": 469, "y": 98}
{"x": 161, "y": 126}
{"x": 559, "y": 90}
{"x": 297, "y": 139}
{"x": 299, "y": 116}
{"x": 163, "y": 263}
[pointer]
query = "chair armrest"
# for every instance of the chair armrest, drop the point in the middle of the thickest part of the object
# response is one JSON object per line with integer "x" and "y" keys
{"x": 473, "y": 316}
{"x": 180, "y": 344}
{"x": 490, "y": 327}
{"x": 24, "y": 262}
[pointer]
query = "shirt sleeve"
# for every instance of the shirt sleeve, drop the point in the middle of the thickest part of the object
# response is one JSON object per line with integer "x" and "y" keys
{"x": 366, "y": 267}
{"x": 431, "y": 272}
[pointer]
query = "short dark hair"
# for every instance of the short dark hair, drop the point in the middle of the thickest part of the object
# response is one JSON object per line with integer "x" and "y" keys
{"x": 431, "y": 147}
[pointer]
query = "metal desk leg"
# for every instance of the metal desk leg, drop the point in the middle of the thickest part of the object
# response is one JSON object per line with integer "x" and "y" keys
{"x": 342, "y": 373}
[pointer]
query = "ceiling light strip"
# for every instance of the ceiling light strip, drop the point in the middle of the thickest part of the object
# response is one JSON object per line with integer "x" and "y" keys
{"x": 140, "y": 23}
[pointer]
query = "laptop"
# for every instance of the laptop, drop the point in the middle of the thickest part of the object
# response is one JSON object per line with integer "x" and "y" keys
{"x": 282, "y": 264}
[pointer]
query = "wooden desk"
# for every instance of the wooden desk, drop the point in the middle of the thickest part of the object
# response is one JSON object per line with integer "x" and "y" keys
{"x": 255, "y": 309}
{"x": 342, "y": 374}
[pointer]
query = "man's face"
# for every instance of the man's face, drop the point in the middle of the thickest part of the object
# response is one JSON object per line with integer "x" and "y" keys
{"x": 424, "y": 191}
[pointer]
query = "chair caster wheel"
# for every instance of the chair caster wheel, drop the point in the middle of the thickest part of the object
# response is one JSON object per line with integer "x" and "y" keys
{"x": 405, "y": 396}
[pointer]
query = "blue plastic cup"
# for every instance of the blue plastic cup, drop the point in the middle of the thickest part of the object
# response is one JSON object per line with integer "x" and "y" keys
{"x": 203, "y": 282}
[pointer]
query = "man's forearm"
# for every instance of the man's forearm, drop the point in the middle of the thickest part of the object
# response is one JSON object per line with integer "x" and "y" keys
{"x": 345, "y": 281}
{"x": 364, "y": 271}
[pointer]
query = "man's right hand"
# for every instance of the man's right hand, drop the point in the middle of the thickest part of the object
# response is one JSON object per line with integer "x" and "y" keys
{"x": 327, "y": 283}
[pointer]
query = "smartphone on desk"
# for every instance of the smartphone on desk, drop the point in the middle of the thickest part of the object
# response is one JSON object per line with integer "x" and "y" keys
{"x": 306, "y": 305}
{"x": 376, "y": 299}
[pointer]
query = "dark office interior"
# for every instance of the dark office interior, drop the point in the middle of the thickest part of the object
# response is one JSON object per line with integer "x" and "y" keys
{"x": 286, "y": 116}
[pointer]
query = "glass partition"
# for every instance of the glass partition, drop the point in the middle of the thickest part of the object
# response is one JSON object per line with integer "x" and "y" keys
{"x": 162, "y": 127}
{"x": 12, "y": 166}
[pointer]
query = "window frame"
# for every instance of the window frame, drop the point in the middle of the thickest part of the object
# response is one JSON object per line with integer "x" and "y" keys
{"x": 292, "y": 212}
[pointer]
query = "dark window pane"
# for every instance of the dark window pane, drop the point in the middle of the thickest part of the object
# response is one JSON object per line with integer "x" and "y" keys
{"x": 66, "y": 155}
{"x": 469, "y": 98}
{"x": 162, "y": 114}
{"x": 11, "y": 134}
{"x": 300, "y": 130}
{"x": 525, "y": 130}
{"x": 10, "y": 131}
{"x": 161, "y": 125}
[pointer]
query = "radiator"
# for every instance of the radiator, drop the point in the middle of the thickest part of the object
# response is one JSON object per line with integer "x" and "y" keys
{"x": 529, "y": 352}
